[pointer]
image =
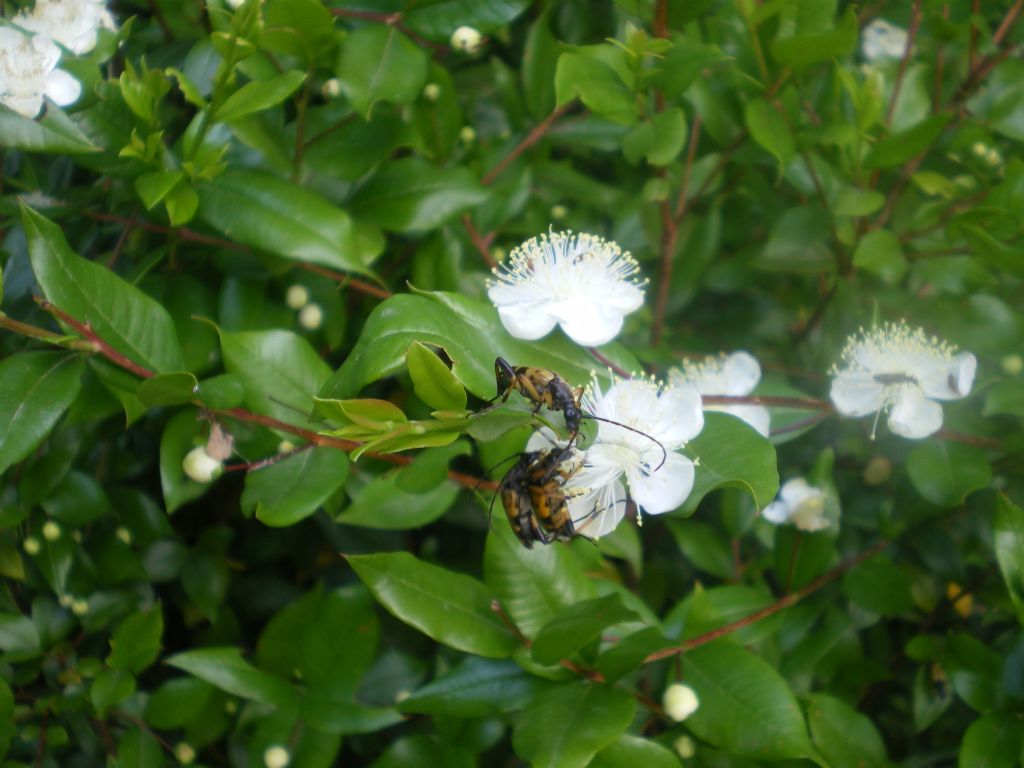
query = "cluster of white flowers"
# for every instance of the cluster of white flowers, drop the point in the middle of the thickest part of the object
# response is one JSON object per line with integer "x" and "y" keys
{"x": 29, "y": 53}
{"x": 881, "y": 40}
{"x": 587, "y": 285}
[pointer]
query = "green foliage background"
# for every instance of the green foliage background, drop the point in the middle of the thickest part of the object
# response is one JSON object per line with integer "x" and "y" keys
{"x": 353, "y": 602}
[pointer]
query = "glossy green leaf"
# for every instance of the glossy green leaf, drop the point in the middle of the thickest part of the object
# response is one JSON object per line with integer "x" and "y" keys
{"x": 770, "y": 130}
{"x": 1009, "y": 546}
{"x": 476, "y": 688}
{"x": 900, "y": 147}
{"x": 176, "y": 702}
{"x": 382, "y": 504}
{"x": 1004, "y": 397}
{"x": 167, "y": 389}
{"x": 803, "y": 50}
{"x": 178, "y": 438}
{"x": 746, "y": 707}
{"x": 135, "y": 644}
{"x": 18, "y": 635}
{"x": 53, "y": 132}
{"x": 433, "y": 381}
{"x": 732, "y": 454}
{"x": 576, "y": 626}
{"x": 632, "y": 751}
{"x": 629, "y": 653}
{"x": 225, "y": 668}
{"x": 597, "y": 85}
{"x": 567, "y": 725}
{"x": 271, "y": 214}
{"x": 292, "y": 489}
{"x": 412, "y": 195}
{"x": 110, "y": 687}
{"x": 439, "y": 18}
{"x": 155, "y": 186}
{"x": 259, "y": 95}
{"x": 121, "y": 314}
{"x": 684, "y": 63}
{"x": 659, "y": 139}
{"x": 449, "y": 607}
{"x": 845, "y": 737}
{"x": 945, "y": 472}
{"x": 880, "y": 253}
{"x": 879, "y": 586}
{"x": 379, "y": 63}
{"x": 6, "y": 716}
{"x": 992, "y": 741}
{"x": 139, "y": 748}
{"x": 36, "y": 389}
{"x": 857, "y": 202}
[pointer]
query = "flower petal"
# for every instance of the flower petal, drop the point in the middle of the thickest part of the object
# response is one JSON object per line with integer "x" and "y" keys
{"x": 795, "y": 491}
{"x": 742, "y": 372}
{"x": 525, "y": 321}
{"x": 914, "y": 415}
{"x": 596, "y": 515}
{"x": 756, "y": 416}
{"x": 952, "y": 380}
{"x": 24, "y": 105}
{"x": 856, "y": 393}
{"x": 588, "y": 323}
{"x": 777, "y": 512}
{"x": 62, "y": 88}
{"x": 664, "y": 490}
{"x": 679, "y": 416}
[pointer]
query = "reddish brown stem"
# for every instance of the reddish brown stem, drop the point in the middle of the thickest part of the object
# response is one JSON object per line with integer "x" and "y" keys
{"x": 101, "y": 346}
{"x": 915, "y": 23}
{"x": 532, "y": 138}
{"x": 609, "y": 364}
{"x": 346, "y": 280}
{"x": 807, "y": 403}
{"x": 482, "y": 244}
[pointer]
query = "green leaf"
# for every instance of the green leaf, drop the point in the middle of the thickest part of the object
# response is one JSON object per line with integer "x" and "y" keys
{"x": 660, "y": 139}
{"x": 992, "y": 741}
{"x": 845, "y": 737}
{"x": 905, "y": 145}
{"x": 110, "y": 687}
{"x": 412, "y": 195}
{"x": 18, "y": 635}
{"x": 167, "y": 389}
{"x": 154, "y": 187}
{"x": 433, "y": 381}
{"x": 803, "y": 50}
{"x": 704, "y": 546}
{"x": 880, "y": 253}
{"x": 852, "y": 201}
{"x": 632, "y": 751}
{"x": 35, "y": 390}
{"x": 597, "y": 85}
{"x": 383, "y": 504}
{"x": 630, "y": 651}
{"x": 567, "y": 725}
{"x": 54, "y": 132}
{"x": 136, "y": 642}
{"x": 574, "y": 627}
{"x": 770, "y": 131}
{"x": 7, "y": 728}
{"x": 225, "y": 668}
{"x": 476, "y": 688}
{"x": 259, "y": 95}
{"x": 683, "y": 64}
{"x": 292, "y": 489}
{"x": 994, "y": 251}
{"x": 945, "y": 472}
{"x": 879, "y": 586}
{"x": 119, "y": 313}
{"x": 139, "y": 748}
{"x": 1009, "y": 546}
{"x": 271, "y": 214}
{"x": 280, "y": 370}
{"x": 451, "y": 608}
{"x": 437, "y": 19}
{"x": 1004, "y": 397}
{"x": 746, "y": 708}
{"x": 178, "y": 438}
{"x": 732, "y": 454}
{"x": 176, "y": 702}
{"x": 379, "y": 63}
{"x": 534, "y": 585}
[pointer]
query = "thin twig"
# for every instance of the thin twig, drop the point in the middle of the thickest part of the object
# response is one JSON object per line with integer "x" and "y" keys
{"x": 532, "y": 138}
{"x": 915, "y": 24}
{"x": 609, "y": 364}
{"x": 101, "y": 346}
{"x": 482, "y": 244}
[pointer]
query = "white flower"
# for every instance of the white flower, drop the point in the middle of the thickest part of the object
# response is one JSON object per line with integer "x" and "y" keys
{"x": 72, "y": 23}
{"x": 200, "y": 466}
{"x": 734, "y": 375}
{"x": 902, "y": 371}
{"x": 882, "y": 40}
{"x": 581, "y": 282}
{"x": 680, "y": 701}
{"x": 657, "y": 482}
{"x": 467, "y": 40}
{"x": 800, "y": 504}
{"x": 28, "y": 73}
{"x": 276, "y": 757}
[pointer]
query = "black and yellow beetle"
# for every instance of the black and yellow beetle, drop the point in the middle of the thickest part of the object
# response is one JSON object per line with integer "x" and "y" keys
{"x": 533, "y": 495}
{"x": 542, "y": 388}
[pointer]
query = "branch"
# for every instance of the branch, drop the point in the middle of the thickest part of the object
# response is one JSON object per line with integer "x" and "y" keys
{"x": 100, "y": 345}
{"x": 915, "y": 23}
{"x": 532, "y": 138}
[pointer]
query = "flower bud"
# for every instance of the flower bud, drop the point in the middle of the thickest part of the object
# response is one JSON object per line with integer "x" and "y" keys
{"x": 559, "y": 212}
{"x": 467, "y": 40}
{"x": 65, "y": 601}
{"x": 285, "y": 446}
{"x": 235, "y": 5}
{"x": 79, "y": 607}
{"x": 331, "y": 88}
{"x": 199, "y": 466}
{"x": 311, "y": 317}
{"x": 51, "y": 530}
{"x": 296, "y": 297}
{"x": 680, "y": 701}
{"x": 684, "y": 747}
{"x": 467, "y": 135}
{"x": 979, "y": 148}
{"x": 431, "y": 91}
{"x": 877, "y": 471}
{"x": 1012, "y": 364}
{"x": 230, "y": 706}
{"x": 993, "y": 158}
{"x": 184, "y": 752}
{"x": 402, "y": 695}
{"x": 124, "y": 535}
{"x": 276, "y": 757}
{"x": 31, "y": 545}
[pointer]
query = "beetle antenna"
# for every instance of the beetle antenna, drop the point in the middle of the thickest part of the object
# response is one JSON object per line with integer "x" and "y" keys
{"x": 664, "y": 453}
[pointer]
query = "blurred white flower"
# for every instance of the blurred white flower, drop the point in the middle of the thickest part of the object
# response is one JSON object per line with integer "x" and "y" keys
{"x": 800, "y": 504}
{"x": 734, "y": 375}
{"x": 904, "y": 372}
{"x": 680, "y": 701}
{"x": 72, "y": 23}
{"x": 31, "y": 545}
{"x": 200, "y": 466}
{"x": 28, "y": 73}
{"x": 657, "y": 482}
{"x": 51, "y": 530}
{"x": 882, "y": 40}
{"x": 296, "y": 297}
{"x": 467, "y": 40}
{"x": 276, "y": 757}
{"x": 311, "y": 317}
{"x": 582, "y": 282}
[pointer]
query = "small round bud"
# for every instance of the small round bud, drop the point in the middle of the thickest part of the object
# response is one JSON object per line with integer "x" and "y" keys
{"x": 467, "y": 40}
{"x": 962, "y": 600}
{"x": 979, "y": 148}
{"x": 124, "y": 535}
{"x": 77, "y": 536}
{"x": 877, "y": 471}
{"x": 236, "y": 4}
{"x": 184, "y": 752}
{"x": 559, "y": 212}
{"x": 51, "y": 530}
{"x": 431, "y": 91}
{"x": 65, "y": 600}
{"x": 31, "y": 545}
{"x": 402, "y": 695}
{"x": 1012, "y": 364}
{"x": 285, "y": 446}
{"x": 296, "y": 297}
{"x": 331, "y": 88}
{"x": 199, "y": 466}
{"x": 311, "y": 317}
{"x": 230, "y": 706}
{"x": 498, "y": 254}
{"x": 680, "y": 701}
{"x": 993, "y": 158}
{"x": 276, "y": 757}
{"x": 467, "y": 135}
{"x": 684, "y": 747}
{"x": 79, "y": 607}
